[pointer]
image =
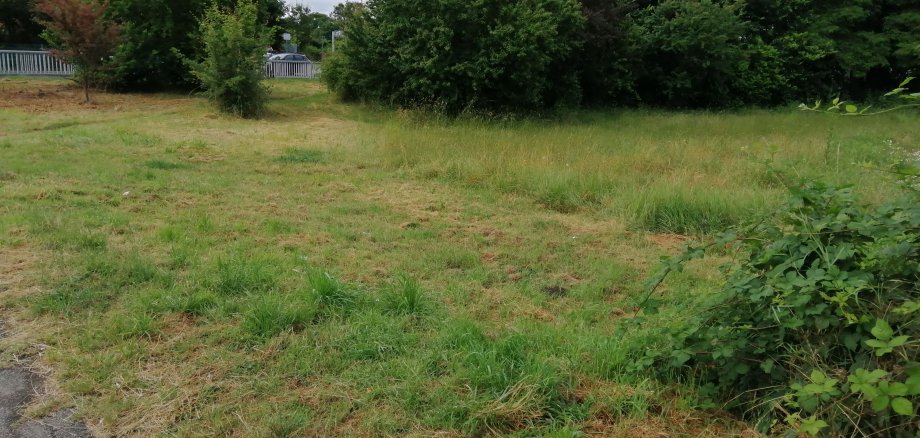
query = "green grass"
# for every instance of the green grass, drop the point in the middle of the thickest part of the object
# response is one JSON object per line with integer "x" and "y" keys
{"x": 337, "y": 270}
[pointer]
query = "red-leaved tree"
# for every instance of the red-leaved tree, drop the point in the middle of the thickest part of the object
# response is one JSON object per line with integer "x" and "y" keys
{"x": 80, "y": 35}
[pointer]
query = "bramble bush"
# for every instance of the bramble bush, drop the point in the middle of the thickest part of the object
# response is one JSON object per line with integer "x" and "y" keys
{"x": 815, "y": 328}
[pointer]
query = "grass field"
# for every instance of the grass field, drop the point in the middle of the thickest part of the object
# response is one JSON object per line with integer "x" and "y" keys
{"x": 352, "y": 271}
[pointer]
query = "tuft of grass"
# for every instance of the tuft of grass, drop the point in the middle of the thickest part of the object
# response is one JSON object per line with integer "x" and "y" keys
{"x": 675, "y": 210}
{"x": 272, "y": 314}
{"x": 68, "y": 300}
{"x": 301, "y": 156}
{"x": 235, "y": 275}
{"x": 329, "y": 294}
{"x": 453, "y": 257}
{"x": 404, "y": 297}
{"x": 198, "y": 303}
{"x": 515, "y": 386}
{"x": 288, "y": 421}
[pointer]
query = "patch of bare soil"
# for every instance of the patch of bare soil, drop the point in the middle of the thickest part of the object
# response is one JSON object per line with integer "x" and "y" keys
{"x": 43, "y": 96}
{"x": 667, "y": 241}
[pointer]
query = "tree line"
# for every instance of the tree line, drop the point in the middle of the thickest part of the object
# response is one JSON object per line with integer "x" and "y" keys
{"x": 515, "y": 54}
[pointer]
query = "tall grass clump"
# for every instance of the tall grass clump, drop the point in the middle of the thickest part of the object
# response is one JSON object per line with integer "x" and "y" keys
{"x": 271, "y": 314}
{"x": 235, "y": 275}
{"x": 329, "y": 294}
{"x": 405, "y": 297}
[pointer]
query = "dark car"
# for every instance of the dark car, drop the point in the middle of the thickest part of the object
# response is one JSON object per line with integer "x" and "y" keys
{"x": 289, "y": 57}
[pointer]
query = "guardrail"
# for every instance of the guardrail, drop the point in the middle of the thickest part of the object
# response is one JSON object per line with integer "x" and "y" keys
{"x": 291, "y": 69}
{"x": 32, "y": 63}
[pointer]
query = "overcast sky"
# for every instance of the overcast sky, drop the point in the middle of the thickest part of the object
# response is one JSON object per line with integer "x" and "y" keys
{"x": 324, "y": 6}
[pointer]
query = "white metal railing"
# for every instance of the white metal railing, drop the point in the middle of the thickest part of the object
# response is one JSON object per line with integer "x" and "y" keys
{"x": 40, "y": 63}
{"x": 291, "y": 69}
{"x": 32, "y": 63}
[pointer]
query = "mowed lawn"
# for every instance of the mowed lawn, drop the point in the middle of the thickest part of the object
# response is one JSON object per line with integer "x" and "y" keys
{"x": 341, "y": 270}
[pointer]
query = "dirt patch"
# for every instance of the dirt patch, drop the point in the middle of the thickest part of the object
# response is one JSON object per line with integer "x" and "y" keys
{"x": 667, "y": 241}
{"x": 43, "y": 96}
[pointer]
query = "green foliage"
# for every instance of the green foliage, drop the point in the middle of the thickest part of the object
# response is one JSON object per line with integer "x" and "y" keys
{"x": 159, "y": 34}
{"x": 310, "y": 31}
{"x": 842, "y": 107}
{"x": 492, "y": 55}
{"x": 606, "y": 55}
{"x": 459, "y": 55}
{"x": 816, "y": 321}
{"x": 690, "y": 51}
{"x": 231, "y": 71}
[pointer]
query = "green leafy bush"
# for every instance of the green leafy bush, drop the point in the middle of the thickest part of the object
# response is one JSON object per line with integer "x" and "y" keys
{"x": 234, "y": 47}
{"x": 457, "y": 54}
{"x": 815, "y": 327}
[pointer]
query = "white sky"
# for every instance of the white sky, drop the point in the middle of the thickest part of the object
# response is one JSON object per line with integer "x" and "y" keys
{"x": 324, "y": 6}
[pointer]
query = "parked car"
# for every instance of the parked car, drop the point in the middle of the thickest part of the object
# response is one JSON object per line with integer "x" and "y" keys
{"x": 289, "y": 57}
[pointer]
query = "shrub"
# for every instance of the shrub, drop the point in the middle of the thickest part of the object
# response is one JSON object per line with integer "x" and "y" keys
{"x": 457, "y": 55}
{"x": 816, "y": 324}
{"x": 234, "y": 47}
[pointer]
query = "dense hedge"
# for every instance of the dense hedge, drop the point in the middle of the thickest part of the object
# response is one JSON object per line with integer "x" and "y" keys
{"x": 458, "y": 54}
{"x": 532, "y": 54}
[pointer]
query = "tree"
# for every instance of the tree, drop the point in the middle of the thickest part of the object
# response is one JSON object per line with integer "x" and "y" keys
{"x": 606, "y": 59}
{"x": 310, "y": 30}
{"x": 80, "y": 35}
{"x": 690, "y": 52}
{"x": 16, "y": 24}
{"x": 231, "y": 71}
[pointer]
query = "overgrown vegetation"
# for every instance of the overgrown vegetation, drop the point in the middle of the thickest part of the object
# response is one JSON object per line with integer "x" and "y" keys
{"x": 498, "y": 55}
{"x": 159, "y": 34}
{"x": 814, "y": 329}
{"x": 337, "y": 270}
